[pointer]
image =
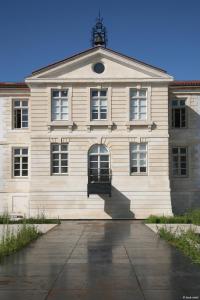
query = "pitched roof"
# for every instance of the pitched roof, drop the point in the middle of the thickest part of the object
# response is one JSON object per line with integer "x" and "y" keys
{"x": 13, "y": 85}
{"x": 57, "y": 63}
{"x": 185, "y": 83}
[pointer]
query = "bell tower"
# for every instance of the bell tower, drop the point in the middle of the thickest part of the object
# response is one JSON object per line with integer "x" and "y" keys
{"x": 99, "y": 33}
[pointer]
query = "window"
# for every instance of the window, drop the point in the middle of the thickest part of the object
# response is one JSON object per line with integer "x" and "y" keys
{"x": 138, "y": 157}
{"x": 59, "y": 156}
{"x": 179, "y": 161}
{"x": 98, "y": 164}
{"x": 60, "y": 105}
{"x": 20, "y": 162}
{"x": 20, "y": 113}
{"x": 178, "y": 113}
{"x": 138, "y": 104}
{"x": 99, "y": 104}
{"x": 98, "y": 68}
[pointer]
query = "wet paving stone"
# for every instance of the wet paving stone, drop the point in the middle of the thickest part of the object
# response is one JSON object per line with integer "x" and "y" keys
{"x": 92, "y": 260}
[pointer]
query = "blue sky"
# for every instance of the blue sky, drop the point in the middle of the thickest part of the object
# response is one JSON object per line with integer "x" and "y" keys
{"x": 164, "y": 33}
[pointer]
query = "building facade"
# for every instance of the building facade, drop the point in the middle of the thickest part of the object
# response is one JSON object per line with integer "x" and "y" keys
{"x": 99, "y": 135}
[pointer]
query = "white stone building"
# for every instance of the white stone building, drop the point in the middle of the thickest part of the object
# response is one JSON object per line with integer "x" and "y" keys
{"x": 99, "y": 135}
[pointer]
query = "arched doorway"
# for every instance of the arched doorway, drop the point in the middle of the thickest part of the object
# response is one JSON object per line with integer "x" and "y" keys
{"x": 99, "y": 174}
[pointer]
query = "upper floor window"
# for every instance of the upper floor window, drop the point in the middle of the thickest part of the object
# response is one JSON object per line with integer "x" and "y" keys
{"x": 138, "y": 156}
{"x": 20, "y": 113}
{"x": 99, "y": 105}
{"x": 59, "y": 158}
{"x": 178, "y": 113}
{"x": 60, "y": 105}
{"x": 138, "y": 104}
{"x": 179, "y": 161}
{"x": 20, "y": 162}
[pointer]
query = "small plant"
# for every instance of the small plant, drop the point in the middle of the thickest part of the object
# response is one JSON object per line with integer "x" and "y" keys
{"x": 188, "y": 242}
{"x": 40, "y": 219}
{"x": 12, "y": 242}
{"x": 191, "y": 217}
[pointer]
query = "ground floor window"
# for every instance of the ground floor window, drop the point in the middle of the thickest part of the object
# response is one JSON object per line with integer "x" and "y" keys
{"x": 138, "y": 158}
{"x": 59, "y": 158}
{"x": 20, "y": 162}
{"x": 179, "y": 161}
{"x": 98, "y": 164}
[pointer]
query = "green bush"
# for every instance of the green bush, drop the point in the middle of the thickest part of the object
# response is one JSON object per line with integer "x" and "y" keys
{"x": 11, "y": 242}
{"x": 40, "y": 219}
{"x": 191, "y": 217}
{"x": 188, "y": 242}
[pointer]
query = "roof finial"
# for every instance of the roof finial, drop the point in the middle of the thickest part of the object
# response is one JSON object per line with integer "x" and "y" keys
{"x": 99, "y": 33}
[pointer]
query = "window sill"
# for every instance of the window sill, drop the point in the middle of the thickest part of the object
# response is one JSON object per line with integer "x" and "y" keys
{"x": 145, "y": 123}
{"x": 100, "y": 123}
{"x": 139, "y": 174}
{"x": 67, "y": 124}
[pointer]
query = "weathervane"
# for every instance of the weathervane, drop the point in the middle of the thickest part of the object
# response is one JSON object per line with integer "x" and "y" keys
{"x": 99, "y": 33}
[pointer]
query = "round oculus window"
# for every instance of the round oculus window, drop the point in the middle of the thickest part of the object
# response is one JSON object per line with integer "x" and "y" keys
{"x": 98, "y": 68}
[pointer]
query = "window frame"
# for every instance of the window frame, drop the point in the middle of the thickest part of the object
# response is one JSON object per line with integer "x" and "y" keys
{"x": 20, "y": 156}
{"x": 179, "y": 162}
{"x": 59, "y": 152}
{"x": 172, "y": 119}
{"x": 14, "y": 108}
{"x": 138, "y": 160}
{"x": 99, "y": 106}
{"x": 138, "y": 98}
{"x": 59, "y": 98}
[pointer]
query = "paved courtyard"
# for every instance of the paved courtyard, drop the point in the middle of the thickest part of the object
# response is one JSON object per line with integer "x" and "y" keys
{"x": 93, "y": 260}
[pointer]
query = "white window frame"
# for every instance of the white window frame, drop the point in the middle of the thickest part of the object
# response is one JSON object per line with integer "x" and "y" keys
{"x": 59, "y": 152}
{"x": 179, "y": 106}
{"x": 98, "y": 98}
{"x": 138, "y": 98}
{"x": 21, "y": 108}
{"x": 178, "y": 155}
{"x": 59, "y": 98}
{"x": 138, "y": 159}
{"x": 20, "y": 156}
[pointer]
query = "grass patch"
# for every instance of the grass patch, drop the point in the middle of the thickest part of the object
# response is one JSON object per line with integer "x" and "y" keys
{"x": 191, "y": 217}
{"x": 12, "y": 242}
{"x": 41, "y": 219}
{"x": 188, "y": 242}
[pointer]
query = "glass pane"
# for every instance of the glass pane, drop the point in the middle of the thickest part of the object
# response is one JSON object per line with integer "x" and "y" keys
{"x": 24, "y": 124}
{"x": 93, "y": 158}
{"x": 64, "y": 147}
{"x": 103, "y": 103}
{"x": 183, "y": 150}
{"x": 133, "y": 169}
{"x": 142, "y": 116}
{"x": 134, "y": 155}
{"x": 175, "y": 150}
{"x": 142, "y": 155}
{"x": 142, "y": 163}
{"x": 104, "y": 165}
{"x": 175, "y": 172}
{"x": 103, "y": 93}
{"x": 94, "y": 116}
{"x": 103, "y": 116}
{"x": 25, "y": 103}
{"x": 104, "y": 158}
{"x": 134, "y": 116}
{"x": 134, "y": 103}
{"x": 142, "y": 147}
{"x": 93, "y": 165}
{"x": 17, "y": 151}
{"x": 16, "y": 173}
{"x": 24, "y": 172}
{"x": 182, "y": 102}
{"x": 134, "y": 147}
{"x": 24, "y": 160}
{"x": 56, "y": 116}
{"x": 55, "y": 163}
{"x": 64, "y": 156}
{"x": 143, "y": 109}
{"x": 25, "y": 166}
{"x": 55, "y": 93}
{"x": 64, "y": 163}
{"x": 103, "y": 149}
{"x": 55, "y": 156}
{"x": 143, "y": 102}
{"x": 55, "y": 147}
{"x": 95, "y": 103}
{"x": 133, "y": 92}
{"x": 24, "y": 118}
{"x": 55, "y": 170}
{"x": 134, "y": 109}
{"x": 17, "y": 103}
{"x": 64, "y": 110}
{"x": 17, "y": 159}
{"x": 17, "y": 166}
{"x": 64, "y": 102}
{"x": 183, "y": 172}
{"x": 64, "y": 170}
{"x": 142, "y": 169}
{"x": 64, "y": 93}
{"x": 64, "y": 116}
{"x": 134, "y": 163}
{"x": 142, "y": 93}
{"x": 94, "y": 93}
{"x": 25, "y": 151}
{"x": 175, "y": 103}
